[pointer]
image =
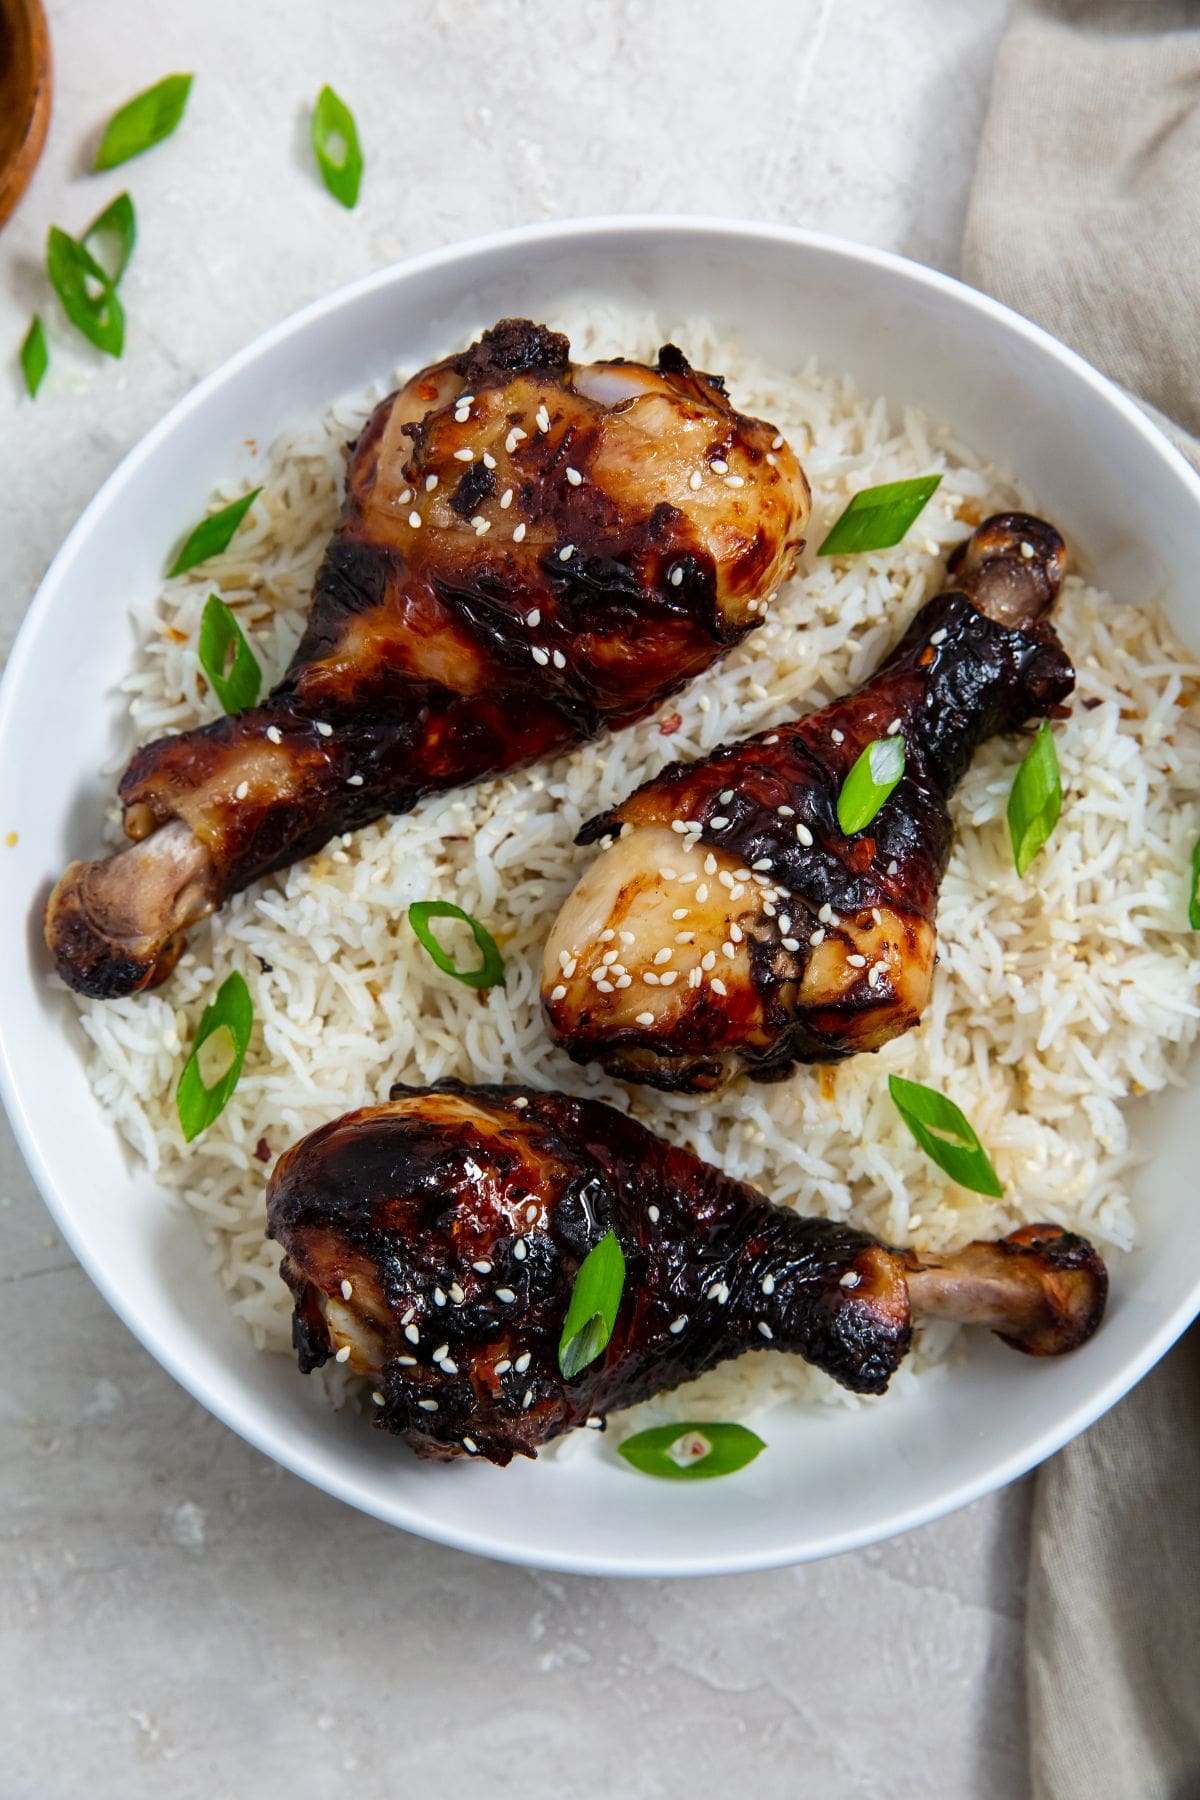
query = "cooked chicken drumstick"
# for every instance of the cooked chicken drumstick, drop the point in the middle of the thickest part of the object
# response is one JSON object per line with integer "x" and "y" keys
{"x": 530, "y": 550}
{"x": 730, "y": 926}
{"x": 433, "y": 1244}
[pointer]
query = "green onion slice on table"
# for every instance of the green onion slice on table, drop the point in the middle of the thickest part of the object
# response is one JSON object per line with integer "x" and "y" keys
{"x": 144, "y": 121}
{"x": 336, "y": 147}
{"x": 595, "y": 1298}
{"x": 35, "y": 357}
{"x": 692, "y": 1451}
{"x": 218, "y": 1051}
{"x": 88, "y": 296}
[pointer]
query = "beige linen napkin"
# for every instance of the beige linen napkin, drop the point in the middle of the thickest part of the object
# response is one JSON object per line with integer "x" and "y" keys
{"x": 1085, "y": 215}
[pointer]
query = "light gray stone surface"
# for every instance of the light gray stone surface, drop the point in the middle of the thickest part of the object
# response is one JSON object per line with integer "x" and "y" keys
{"x": 178, "y": 1617}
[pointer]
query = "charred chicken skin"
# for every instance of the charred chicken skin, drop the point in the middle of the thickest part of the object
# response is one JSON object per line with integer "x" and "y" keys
{"x": 433, "y": 1243}
{"x": 730, "y": 926}
{"x": 529, "y": 551}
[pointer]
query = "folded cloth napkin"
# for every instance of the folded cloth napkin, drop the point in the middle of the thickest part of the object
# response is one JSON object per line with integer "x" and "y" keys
{"x": 1085, "y": 215}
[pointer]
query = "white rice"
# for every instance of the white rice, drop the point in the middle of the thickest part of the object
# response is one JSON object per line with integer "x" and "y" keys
{"x": 1057, "y": 1000}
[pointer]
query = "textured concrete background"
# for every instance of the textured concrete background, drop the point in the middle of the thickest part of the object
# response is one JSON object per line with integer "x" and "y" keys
{"x": 177, "y": 1617}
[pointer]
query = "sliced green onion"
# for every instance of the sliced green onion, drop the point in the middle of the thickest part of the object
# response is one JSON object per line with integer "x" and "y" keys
{"x": 490, "y": 972}
{"x": 35, "y": 358}
{"x": 88, "y": 297}
{"x": 692, "y": 1452}
{"x": 945, "y": 1136}
{"x": 211, "y": 1072}
{"x": 143, "y": 121}
{"x": 335, "y": 142}
{"x": 213, "y": 534}
{"x": 116, "y": 226}
{"x": 226, "y": 658}
{"x": 873, "y": 777}
{"x": 595, "y": 1297}
{"x": 1036, "y": 799}
{"x": 878, "y": 517}
{"x": 1194, "y": 896}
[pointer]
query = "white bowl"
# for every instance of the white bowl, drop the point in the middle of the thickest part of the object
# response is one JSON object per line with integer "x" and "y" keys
{"x": 1098, "y": 469}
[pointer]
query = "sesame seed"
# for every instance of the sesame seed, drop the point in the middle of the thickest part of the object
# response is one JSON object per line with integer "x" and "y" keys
{"x": 773, "y": 739}
{"x": 505, "y": 1295}
{"x": 431, "y": 482}
{"x": 274, "y": 734}
{"x": 347, "y": 1290}
{"x": 719, "y": 822}
{"x": 461, "y": 414}
{"x": 558, "y": 659}
{"x": 456, "y": 1293}
{"x": 343, "y": 1354}
{"x": 650, "y": 977}
{"x": 481, "y": 524}
{"x": 718, "y": 466}
{"x": 894, "y": 727}
{"x": 541, "y": 657}
{"x": 677, "y": 1325}
{"x": 735, "y": 481}
{"x": 662, "y": 956}
{"x": 938, "y": 637}
{"x": 725, "y": 879}
{"x": 606, "y": 936}
{"x": 354, "y": 781}
{"x": 735, "y": 932}
{"x": 506, "y": 499}
{"x": 1026, "y": 550}
{"x": 777, "y": 441}
{"x": 765, "y": 1329}
{"x": 652, "y": 1213}
{"x": 768, "y": 1284}
{"x": 893, "y": 867}
{"x": 412, "y": 1334}
{"x": 514, "y": 438}
{"x": 519, "y": 533}
{"x": 566, "y": 553}
{"x": 791, "y": 943}
{"x": 857, "y": 962}
{"x": 594, "y": 1422}
{"x": 874, "y": 975}
{"x": 527, "y": 1400}
{"x": 569, "y": 964}
{"x": 489, "y": 461}
{"x": 409, "y": 1315}
{"x": 414, "y": 519}
{"x": 502, "y": 1367}
{"x": 818, "y": 937}
{"x": 695, "y": 478}
{"x": 378, "y": 1398}
{"x": 694, "y": 978}
{"x": 623, "y": 980}
{"x": 717, "y": 986}
{"x": 708, "y": 960}
{"x": 718, "y": 1292}
{"x": 439, "y": 1297}
{"x": 405, "y": 497}
{"x": 804, "y": 835}
{"x": 645, "y": 1018}
{"x": 627, "y": 937}
{"x": 520, "y": 1250}
{"x": 464, "y": 456}
{"x": 558, "y": 993}
{"x": 523, "y": 1361}
{"x": 676, "y": 577}
{"x": 849, "y": 1280}
{"x": 574, "y": 477}
{"x": 543, "y": 418}
{"x": 470, "y": 1446}
{"x": 786, "y": 812}
{"x": 678, "y": 825}
{"x": 442, "y": 1350}
{"x": 702, "y": 890}
{"x": 764, "y": 862}
{"x": 727, "y": 949}
{"x": 428, "y": 1405}
{"x": 408, "y": 1362}
{"x": 839, "y": 737}
{"x": 826, "y": 914}
{"x": 241, "y": 790}
{"x": 324, "y": 729}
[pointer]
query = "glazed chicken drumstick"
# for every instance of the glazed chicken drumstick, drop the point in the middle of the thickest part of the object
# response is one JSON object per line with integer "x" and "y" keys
{"x": 433, "y": 1244}
{"x": 530, "y": 550}
{"x": 730, "y": 926}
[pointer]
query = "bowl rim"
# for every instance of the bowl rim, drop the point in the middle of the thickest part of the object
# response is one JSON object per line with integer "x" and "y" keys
{"x": 259, "y": 1432}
